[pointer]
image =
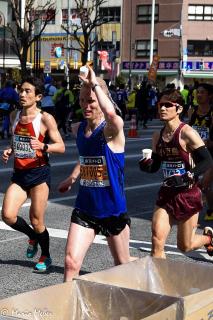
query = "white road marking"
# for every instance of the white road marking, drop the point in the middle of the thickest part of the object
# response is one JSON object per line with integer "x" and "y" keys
{"x": 134, "y": 244}
{"x": 68, "y": 163}
{"x": 59, "y": 199}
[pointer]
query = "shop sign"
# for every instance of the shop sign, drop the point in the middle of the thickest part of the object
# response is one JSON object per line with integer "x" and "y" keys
{"x": 197, "y": 65}
{"x": 143, "y": 65}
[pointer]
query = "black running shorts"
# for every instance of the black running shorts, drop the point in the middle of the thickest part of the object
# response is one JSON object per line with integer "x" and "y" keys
{"x": 30, "y": 178}
{"x": 106, "y": 226}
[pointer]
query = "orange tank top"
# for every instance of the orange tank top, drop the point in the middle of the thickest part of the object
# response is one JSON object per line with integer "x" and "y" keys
{"x": 24, "y": 156}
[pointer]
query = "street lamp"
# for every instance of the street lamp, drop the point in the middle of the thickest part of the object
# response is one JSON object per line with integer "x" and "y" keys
{"x": 68, "y": 43}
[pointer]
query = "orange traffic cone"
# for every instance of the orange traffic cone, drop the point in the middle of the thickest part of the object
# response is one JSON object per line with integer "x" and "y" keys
{"x": 132, "y": 133}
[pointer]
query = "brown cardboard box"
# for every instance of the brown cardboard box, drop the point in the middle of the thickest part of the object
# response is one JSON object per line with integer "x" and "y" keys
{"x": 148, "y": 288}
{"x": 192, "y": 281}
{"x": 86, "y": 300}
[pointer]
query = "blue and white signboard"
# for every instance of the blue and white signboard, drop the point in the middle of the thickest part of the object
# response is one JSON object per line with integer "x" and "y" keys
{"x": 58, "y": 52}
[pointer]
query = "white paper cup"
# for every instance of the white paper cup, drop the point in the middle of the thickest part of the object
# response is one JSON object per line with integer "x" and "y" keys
{"x": 84, "y": 71}
{"x": 147, "y": 153}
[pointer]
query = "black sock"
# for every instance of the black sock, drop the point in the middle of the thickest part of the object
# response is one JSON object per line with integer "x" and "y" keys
{"x": 44, "y": 241}
{"x": 22, "y": 226}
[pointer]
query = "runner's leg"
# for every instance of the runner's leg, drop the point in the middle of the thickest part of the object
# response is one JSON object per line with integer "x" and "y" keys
{"x": 78, "y": 242}
{"x": 161, "y": 227}
{"x": 14, "y": 198}
{"x": 187, "y": 240}
{"x": 119, "y": 246}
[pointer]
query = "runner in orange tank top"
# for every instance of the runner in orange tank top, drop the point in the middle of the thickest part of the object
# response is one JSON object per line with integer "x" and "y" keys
{"x": 31, "y": 175}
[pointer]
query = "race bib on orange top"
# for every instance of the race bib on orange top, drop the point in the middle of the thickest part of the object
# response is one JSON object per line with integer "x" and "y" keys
{"x": 93, "y": 172}
{"x": 22, "y": 148}
{"x": 173, "y": 167}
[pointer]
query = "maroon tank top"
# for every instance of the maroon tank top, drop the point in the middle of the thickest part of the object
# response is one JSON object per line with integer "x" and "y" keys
{"x": 175, "y": 160}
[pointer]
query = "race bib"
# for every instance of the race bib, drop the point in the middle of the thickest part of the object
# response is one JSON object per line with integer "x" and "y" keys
{"x": 22, "y": 148}
{"x": 203, "y": 132}
{"x": 171, "y": 168}
{"x": 93, "y": 172}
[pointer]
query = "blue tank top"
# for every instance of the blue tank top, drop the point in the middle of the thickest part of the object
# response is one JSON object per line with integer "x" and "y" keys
{"x": 101, "y": 191}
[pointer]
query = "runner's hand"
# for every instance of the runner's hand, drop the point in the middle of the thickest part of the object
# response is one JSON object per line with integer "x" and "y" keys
{"x": 65, "y": 185}
{"x": 36, "y": 144}
{"x": 6, "y": 154}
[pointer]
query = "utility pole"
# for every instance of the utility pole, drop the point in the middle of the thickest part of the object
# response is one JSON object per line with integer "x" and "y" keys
{"x": 130, "y": 48}
{"x": 67, "y": 68}
{"x": 152, "y": 32}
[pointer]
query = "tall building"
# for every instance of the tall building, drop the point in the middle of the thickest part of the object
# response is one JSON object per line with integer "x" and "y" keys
{"x": 183, "y": 34}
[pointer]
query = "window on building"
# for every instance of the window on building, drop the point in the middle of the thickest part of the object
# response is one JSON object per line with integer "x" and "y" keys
{"x": 50, "y": 15}
{"x": 110, "y": 14}
{"x": 144, "y": 13}
{"x": 200, "y": 12}
{"x": 200, "y": 48}
{"x": 142, "y": 48}
{"x": 75, "y": 16}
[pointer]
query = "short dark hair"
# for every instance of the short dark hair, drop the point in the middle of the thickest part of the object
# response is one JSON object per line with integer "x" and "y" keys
{"x": 64, "y": 83}
{"x": 207, "y": 86}
{"x": 36, "y": 82}
{"x": 173, "y": 95}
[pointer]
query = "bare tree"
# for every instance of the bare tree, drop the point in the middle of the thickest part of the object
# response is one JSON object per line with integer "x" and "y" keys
{"x": 24, "y": 35}
{"x": 89, "y": 15}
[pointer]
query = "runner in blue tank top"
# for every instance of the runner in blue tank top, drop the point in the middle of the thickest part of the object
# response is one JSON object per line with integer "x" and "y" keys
{"x": 182, "y": 154}
{"x": 101, "y": 204}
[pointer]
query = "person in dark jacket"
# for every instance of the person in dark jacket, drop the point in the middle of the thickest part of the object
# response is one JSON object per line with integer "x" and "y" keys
{"x": 8, "y": 100}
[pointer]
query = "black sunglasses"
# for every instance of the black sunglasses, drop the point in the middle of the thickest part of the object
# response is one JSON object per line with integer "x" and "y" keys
{"x": 168, "y": 104}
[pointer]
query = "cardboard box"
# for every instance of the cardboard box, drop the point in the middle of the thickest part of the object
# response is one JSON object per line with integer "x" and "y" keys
{"x": 192, "y": 281}
{"x": 148, "y": 288}
{"x": 87, "y": 300}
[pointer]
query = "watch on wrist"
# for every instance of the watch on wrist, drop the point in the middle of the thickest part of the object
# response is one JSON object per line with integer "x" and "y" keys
{"x": 45, "y": 147}
{"x": 94, "y": 86}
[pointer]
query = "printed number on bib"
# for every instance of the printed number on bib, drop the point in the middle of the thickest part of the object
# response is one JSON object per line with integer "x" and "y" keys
{"x": 171, "y": 168}
{"x": 22, "y": 148}
{"x": 93, "y": 172}
{"x": 203, "y": 132}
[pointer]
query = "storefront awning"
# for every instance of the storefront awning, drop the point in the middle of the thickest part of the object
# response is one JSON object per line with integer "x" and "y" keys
{"x": 12, "y": 63}
{"x": 200, "y": 75}
{"x": 159, "y": 72}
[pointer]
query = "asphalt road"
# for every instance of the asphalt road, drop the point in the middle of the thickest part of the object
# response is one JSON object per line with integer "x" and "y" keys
{"x": 16, "y": 272}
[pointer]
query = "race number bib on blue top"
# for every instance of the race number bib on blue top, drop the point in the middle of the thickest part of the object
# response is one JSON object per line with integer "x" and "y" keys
{"x": 93, "y": 172}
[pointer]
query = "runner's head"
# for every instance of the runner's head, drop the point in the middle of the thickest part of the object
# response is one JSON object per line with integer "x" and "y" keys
{"x": 170, "y": 104}
{"x": 86, "y": 90}
{"x": 204, "y": 93}
{"x": 31, "y": 91}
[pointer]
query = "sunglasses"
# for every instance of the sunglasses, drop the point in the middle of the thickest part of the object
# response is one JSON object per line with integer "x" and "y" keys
{"x": 168, "y": 104}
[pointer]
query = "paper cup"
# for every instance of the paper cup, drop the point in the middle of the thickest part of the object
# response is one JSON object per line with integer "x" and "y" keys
{"x": 84, "y": 71}
{"x": 147, "y": 153}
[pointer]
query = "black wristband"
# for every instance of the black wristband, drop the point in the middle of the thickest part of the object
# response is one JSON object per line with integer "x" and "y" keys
{"x": 45, "y": 147}
{"x": 95, "y": 85}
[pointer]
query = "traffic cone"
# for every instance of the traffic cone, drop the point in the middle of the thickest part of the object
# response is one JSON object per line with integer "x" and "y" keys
{"x": 132, "y": 133}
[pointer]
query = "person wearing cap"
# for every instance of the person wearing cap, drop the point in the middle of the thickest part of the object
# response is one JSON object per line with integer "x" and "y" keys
{"x": 47, "y": 103}
{"x": 100, "y": 205}
{"x": 180, "y": 152}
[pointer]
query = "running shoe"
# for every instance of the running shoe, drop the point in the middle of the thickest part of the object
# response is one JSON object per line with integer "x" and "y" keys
{"x": 43, "y": 264}
{"x": 209, "y": 215}
{"x": 208, "y": 231}
{"x": 32, "y": 249}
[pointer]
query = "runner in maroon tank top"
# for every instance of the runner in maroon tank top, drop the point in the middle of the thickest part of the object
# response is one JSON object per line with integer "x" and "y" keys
{"x": 183, "y": 157}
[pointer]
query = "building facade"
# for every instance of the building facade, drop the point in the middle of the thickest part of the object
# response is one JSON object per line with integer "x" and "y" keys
{"x": 182, "y": 39}
{"x": 108, "y": 38}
